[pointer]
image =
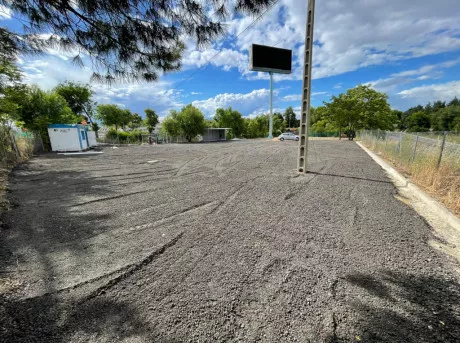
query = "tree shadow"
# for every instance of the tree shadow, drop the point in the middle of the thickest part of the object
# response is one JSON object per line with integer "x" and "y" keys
{"x": 405, "y": 308}
{"x": 48, "y": 220}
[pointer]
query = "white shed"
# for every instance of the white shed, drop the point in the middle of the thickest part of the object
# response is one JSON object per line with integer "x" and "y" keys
{"x": 68, "y": 137}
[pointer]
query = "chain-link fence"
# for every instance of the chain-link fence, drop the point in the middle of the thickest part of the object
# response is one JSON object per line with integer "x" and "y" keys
{"x": 432, "y": 159}
{"x": 17, "y": 147}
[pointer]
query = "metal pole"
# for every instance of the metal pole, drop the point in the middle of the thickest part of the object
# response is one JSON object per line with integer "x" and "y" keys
{"x": 270, "y": 129}
{"x": 442, "y": 148}
{"x": 415, "y": 148}
{"x": 305, "y": 108}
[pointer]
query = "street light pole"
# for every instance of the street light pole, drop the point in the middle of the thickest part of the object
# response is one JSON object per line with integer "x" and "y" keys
{"x": 270, "y": 129}
{"x": 305, "y": 108}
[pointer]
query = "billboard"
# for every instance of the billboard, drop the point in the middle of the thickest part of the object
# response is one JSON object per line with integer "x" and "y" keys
{"x": 269, "y": 59}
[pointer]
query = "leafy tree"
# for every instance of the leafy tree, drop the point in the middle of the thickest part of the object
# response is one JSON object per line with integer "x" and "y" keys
{"x": 279, "y": 125}
{"x": 446, "y": 119}
{"x": 11, "y": 91}
{"x": 361, "y": 107}
{"x": 135, "y": 121}
{"x": 112, "y": 115}
{"x": 418, "y": 122}
{"x": 151, "y": 119}
{"x": 78, "y": 96}
{"x": 39, "y": 108}
{"x": 229, "y": 118}
{"x": 191, "y": 122}
{"x": 171, "y": 125}
{"x": 290, "y": 118}
{"x": 124, "y": 39}
{"x": 256, "y": 127}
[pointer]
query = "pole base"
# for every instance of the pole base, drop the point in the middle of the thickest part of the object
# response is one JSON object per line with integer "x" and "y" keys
{"x": 270, "y": 136}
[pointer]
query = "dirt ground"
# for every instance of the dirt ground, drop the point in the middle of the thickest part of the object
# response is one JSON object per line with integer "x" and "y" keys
{"x": 219, "y": 243}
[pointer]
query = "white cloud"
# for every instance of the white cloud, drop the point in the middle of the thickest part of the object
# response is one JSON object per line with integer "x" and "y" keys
{"x": 424, "y": 94}
{"x": 5, "y": 12}
{"x": 248, "y": 103}
{"x": 355, "y": 34}
{"x": 426, "y": 72}
{"x": 48, "y": 71}
{"x": 225, "y": 58}
{"x": 292, "y": 97}
{"x": 338, "y": 85}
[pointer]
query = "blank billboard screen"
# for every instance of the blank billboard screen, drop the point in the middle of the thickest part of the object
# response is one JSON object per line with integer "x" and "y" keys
{"x": 267, "y": 58}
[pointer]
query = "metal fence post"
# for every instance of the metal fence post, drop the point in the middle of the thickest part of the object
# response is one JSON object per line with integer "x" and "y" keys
{"x": 442, "y": 148}
{"x": 15, "y": 147}
{"x": 386, "y": 141}
{"x": 415, "y": 148}
{"x": 400, "y": 143}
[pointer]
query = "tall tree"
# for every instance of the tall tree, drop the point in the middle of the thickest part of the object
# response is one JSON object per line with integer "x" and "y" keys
{"x": 171, "y": 125}
{"x": 39, "y": 108}
{"x": 191, "y": 122}
{"x": 78, "y": 96}
{"x": 128, "y": 39}
{"x": 229, "y": 118}
{"x": 361, "y": 107}
{"x": 290, "y": 118}
{"x": 135, "y": 121}
{"x": 151, "y": 119}
{"x": 112, "y": 115}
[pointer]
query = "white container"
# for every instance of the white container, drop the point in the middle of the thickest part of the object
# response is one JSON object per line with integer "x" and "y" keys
{"x": 91, "y": 138}
{"x": 67, "y": 137}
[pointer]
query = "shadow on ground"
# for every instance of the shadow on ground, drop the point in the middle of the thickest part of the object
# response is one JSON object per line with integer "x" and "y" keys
{"x": 403, "y": 308}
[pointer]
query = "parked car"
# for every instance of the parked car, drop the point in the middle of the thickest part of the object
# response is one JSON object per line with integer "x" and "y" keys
{"x": 288, "y": 136}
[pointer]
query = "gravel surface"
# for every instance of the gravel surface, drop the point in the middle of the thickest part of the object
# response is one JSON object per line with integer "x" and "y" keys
{"x": 219, "y": 242}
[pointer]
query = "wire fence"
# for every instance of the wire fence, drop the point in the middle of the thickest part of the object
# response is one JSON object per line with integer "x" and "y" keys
{"x": 432, "y": 159}
{"x": 16, "y": 147}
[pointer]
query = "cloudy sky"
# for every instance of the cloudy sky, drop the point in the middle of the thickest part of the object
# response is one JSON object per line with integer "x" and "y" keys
{"x": 409, "y": 49}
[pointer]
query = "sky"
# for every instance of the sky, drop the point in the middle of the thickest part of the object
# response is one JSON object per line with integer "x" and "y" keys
{"x": 408, "y": 49}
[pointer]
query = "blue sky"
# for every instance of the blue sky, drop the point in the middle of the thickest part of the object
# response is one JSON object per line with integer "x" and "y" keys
{"x": 408, "y": 49}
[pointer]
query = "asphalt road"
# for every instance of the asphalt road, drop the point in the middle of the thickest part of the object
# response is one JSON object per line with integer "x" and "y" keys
{"x": 219, "y": 243}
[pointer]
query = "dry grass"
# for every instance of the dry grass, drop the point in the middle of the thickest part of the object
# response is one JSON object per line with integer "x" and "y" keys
{"x": 443, "y": 183}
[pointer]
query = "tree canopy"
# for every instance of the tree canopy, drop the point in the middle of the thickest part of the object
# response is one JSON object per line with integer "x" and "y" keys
{"x": 361, "y": 107}
{"x": 189, "y": 122}
{"x": 290, "y": 118}
{"x": 78, "y": 97}
{"x": 129, "y": 40}
{"x": 229, "y": 118}
{"x": 151, "y": 119}
{"x": 112, "y": 115}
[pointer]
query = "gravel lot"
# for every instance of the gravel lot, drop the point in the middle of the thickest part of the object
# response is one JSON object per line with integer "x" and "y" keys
{"x": 219, "y": 242}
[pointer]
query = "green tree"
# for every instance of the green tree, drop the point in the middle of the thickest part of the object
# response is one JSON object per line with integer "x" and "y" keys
{"x": 171, "y": 124}
{"x": 151, "y": 119}
{"x": 256, "y": 127}
{"x": 290, "y": 118}
{"x": 418, "y": 122}
{"x": 446, "y": 119}
{"x": 129, "y": 39}
{"x": 78, "y": 96}
{"x": 361, "y": 107}
{"x": 112, "y": 115}
{"x": 11, "y": 91}
{"x": 135, "y": 121}
{"x": 39, "y": 108}
{"x": 191, "y": 122}
{"x": 229, "y": 118}
{"x": 279, "y": 125}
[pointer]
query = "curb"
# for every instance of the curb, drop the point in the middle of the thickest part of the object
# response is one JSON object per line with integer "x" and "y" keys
{"x": 401, "y": 182}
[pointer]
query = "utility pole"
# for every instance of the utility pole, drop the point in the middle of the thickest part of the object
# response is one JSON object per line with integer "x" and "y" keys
{"x": 305, "y": 108}
{"x": 270, "y": 129}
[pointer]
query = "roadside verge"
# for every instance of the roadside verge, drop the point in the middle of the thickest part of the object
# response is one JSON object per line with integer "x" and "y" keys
{"x": 444, "y": 222}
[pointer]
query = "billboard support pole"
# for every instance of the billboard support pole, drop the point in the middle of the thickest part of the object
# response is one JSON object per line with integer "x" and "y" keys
{"x": 270, "y": 129}
{"x": 305, "y": 108}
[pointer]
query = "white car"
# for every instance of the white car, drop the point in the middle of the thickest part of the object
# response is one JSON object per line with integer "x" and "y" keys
{"x": 288, "y": 136}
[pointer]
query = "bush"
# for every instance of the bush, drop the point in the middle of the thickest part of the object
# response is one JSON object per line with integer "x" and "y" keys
{"x": 134, "y": 136}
